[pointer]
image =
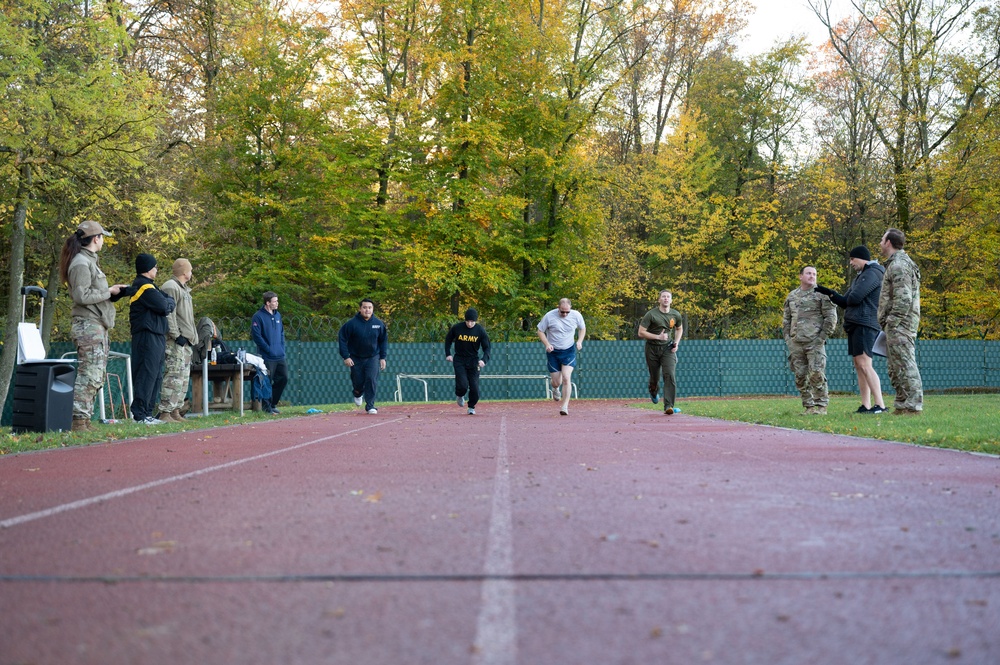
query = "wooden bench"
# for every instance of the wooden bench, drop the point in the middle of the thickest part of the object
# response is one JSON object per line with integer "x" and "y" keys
{"x": 227, "y": 382}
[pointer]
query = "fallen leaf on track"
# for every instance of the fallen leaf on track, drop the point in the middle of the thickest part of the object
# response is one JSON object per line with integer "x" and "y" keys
{"x": 162, "y": 547}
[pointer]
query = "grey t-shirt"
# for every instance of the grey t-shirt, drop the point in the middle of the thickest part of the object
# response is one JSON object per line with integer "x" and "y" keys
{"x": 560, "y": 329}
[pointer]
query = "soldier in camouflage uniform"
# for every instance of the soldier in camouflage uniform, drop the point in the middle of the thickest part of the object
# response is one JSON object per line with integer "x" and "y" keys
{"x": 93, "y": 315}
{"x": 899, "y": 317}
{"x": 810, "y": 317}
{"x": 181, "y": 336}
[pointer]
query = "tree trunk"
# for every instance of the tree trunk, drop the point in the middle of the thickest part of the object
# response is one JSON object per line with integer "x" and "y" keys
{"x": 16, "y": 276}
{"x": 52, "y": 286}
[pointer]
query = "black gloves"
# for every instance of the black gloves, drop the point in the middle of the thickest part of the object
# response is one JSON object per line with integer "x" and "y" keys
{"x": 182, "y": 341}
{"x": 825, "y": 291}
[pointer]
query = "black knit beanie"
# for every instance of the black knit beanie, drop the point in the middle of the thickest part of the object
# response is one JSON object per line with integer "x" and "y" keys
{"x": 861, "y": 252}
{"x": 471, "y": 315}
{"x": 144, "y": 263}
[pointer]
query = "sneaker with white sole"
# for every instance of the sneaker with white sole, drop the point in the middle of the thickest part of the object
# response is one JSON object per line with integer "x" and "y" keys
{"x": 472, "y": 411}
{"x": 460, "y": 401}
{"x": 150, "y": 420}
{"x": 557, "y": 394}
{"x": 357, "y": 401}
{"x": 372, "y": 411}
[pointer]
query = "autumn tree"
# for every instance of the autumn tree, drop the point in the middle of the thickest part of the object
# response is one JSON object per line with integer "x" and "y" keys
{"x": 73, "y": 121}
{"x": 919, "y": 77}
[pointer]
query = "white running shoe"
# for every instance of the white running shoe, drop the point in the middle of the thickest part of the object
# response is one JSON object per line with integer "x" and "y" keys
{"x": 472, "y": 411}
{"x": 460, "y": 401}
{"x": 372, "y": 411}
{"x": 150, "y": 420}
{"x": 357, "y": 401}
{"x": 557, "y": 394}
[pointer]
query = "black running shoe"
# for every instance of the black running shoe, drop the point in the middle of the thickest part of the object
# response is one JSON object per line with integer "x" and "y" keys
{"x": 862, "y": 409}
{"x": 877, "y": 409}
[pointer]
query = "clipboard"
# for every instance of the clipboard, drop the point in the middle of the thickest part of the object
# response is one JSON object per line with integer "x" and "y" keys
{"x": 879, "y": 348}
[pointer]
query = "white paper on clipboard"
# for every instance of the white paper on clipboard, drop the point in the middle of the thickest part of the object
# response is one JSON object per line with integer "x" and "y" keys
{"x": 878, "y": 348}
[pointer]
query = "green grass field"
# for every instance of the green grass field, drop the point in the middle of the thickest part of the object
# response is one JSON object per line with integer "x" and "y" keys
{"x": 962, "y": 422}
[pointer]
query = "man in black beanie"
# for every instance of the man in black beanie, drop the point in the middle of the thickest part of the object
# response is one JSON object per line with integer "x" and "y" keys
{"x": 147, "y": 315}
{"x": 468, "y": 337}
{"x": 860, "y": 304}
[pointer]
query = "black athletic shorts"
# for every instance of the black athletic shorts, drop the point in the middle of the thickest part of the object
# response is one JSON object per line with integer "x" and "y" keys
{"x": 860, "y": 340}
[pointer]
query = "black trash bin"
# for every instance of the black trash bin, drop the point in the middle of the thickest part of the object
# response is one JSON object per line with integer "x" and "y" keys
{"x": 43, "y": 397}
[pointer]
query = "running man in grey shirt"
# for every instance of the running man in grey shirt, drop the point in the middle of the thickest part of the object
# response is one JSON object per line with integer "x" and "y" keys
{"x": 556, "y": 330}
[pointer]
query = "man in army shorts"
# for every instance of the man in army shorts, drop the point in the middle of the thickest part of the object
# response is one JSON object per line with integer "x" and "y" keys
{"x": 899, "y": 317}
{"x": 662, "y": 327}
{"x": 810, "y": 317}
{"x": 181, "y": 336}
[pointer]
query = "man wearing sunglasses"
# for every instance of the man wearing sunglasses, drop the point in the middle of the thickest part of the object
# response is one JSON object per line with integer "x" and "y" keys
{"x": 556, "y": 330}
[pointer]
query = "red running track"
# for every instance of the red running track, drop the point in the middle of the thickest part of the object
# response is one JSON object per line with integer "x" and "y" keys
{"x": 423, "y": 535}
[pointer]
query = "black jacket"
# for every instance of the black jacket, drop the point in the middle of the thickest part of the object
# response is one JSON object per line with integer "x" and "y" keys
{"x": 860, "y": 302}
{"x": 363, "y": 339}
{"x": 148, "y": 307}
{"x": 468, "y": 341}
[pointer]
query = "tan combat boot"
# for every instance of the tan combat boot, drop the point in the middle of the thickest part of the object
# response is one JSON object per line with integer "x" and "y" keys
{"x": 176, "y": 415}
{"x": 82, "y": 425}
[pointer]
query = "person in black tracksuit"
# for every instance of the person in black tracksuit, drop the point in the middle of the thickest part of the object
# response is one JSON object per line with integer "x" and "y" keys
{"x": 364, "y": 343}
{"x": 147, "y": 315}
{"x": 468, "y": 337}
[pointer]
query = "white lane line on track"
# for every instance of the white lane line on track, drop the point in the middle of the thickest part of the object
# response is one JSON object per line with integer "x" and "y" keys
{"x": 117, "y": 494}
{"x": 496, "y": 627}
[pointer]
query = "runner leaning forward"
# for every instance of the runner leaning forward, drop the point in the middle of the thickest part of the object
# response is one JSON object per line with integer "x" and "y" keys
{"x": 468, "y": 337}
{"x": 556, "y": 331}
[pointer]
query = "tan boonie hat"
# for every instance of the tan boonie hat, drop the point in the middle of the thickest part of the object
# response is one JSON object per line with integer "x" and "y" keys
{"x": 92, "y": 228}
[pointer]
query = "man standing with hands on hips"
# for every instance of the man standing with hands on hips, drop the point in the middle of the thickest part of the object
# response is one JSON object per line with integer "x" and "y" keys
{"x": 468, "y": 338}
{"x": 556, "y": 330}
{"x": 364, "y": 345}
{"x": 662, "y": 328}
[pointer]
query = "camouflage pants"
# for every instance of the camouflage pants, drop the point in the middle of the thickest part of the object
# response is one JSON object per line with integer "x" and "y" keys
{"x": 808, "y": 363}
{"x": 91, "y": 339}
{"x": 176, "y": 373}
{"x": 903, "y": 371}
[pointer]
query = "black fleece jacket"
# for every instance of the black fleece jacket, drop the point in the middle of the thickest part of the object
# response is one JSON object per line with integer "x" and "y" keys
{"x": 860, "y": 302}
{"x": 148, "y": 307}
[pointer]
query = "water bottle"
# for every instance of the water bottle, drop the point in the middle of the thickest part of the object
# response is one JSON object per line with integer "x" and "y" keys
{"x": 214, "y": 357}
{"x": 241, "y": 355}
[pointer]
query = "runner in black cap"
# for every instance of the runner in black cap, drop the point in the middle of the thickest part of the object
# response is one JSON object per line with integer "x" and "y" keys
{"x": 468, "y": 337}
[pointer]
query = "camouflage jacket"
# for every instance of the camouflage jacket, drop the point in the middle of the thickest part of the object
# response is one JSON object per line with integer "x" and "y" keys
{"x": 809, "y": 316}
{"x": 899, "y": 302}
